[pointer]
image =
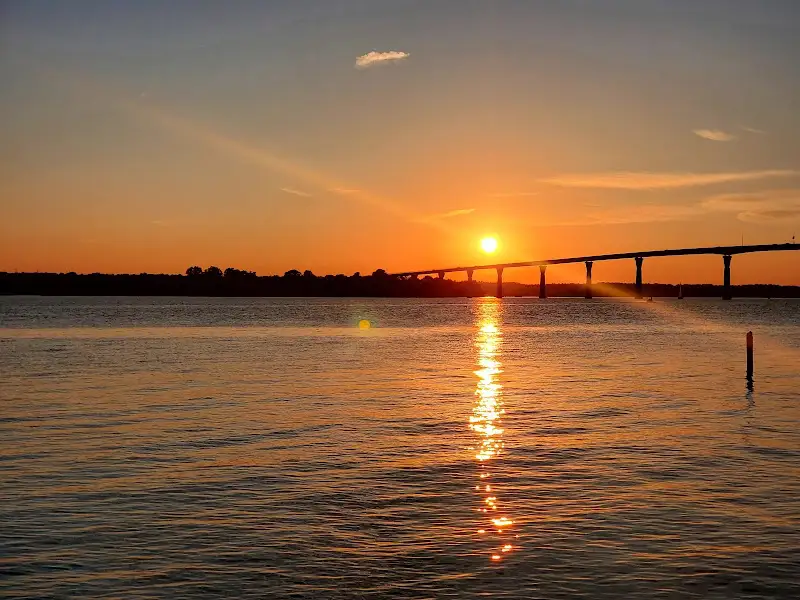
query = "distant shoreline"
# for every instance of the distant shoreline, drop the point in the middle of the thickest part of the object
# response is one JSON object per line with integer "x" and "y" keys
{"x": 234, "y": 283}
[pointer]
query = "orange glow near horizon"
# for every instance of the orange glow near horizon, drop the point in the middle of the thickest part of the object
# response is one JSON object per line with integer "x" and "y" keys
{"x": 149, "y": 226}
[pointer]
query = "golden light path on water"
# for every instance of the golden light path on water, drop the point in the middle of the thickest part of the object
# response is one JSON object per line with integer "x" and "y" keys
{"x": 486, "y": 422}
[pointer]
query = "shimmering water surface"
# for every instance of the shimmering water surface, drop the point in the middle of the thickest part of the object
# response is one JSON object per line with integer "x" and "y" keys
{"x": 274, "y": 448}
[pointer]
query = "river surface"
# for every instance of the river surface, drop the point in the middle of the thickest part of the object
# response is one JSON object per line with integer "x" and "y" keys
{"x": 517, "y": 448}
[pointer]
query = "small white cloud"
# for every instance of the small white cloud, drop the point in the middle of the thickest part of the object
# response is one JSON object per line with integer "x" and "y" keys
{"x": 715, "y": 135}
{"x": 446, "y": 215}
{"x": 376, "y": 58}
{"x": 657, "y": 181}
{"x": 295, "y": 192}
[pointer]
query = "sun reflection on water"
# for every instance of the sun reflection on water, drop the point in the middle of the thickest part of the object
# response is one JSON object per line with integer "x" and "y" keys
{"x": 486, "y": 421}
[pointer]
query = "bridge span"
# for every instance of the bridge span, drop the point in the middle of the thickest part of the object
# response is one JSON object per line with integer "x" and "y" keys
{"x": 726, "y": 252}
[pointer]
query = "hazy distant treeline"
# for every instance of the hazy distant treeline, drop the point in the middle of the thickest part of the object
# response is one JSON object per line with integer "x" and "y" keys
{"x": 234, "y": 282}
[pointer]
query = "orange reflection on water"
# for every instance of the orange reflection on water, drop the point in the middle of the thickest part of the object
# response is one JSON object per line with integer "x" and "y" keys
{"x": 486, "y": 417}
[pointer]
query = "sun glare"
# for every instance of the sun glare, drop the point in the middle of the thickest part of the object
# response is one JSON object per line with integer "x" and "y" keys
{"x": 489, "y": 244}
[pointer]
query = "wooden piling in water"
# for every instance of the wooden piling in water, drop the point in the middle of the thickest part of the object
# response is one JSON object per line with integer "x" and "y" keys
{"x": 750, "y": 355}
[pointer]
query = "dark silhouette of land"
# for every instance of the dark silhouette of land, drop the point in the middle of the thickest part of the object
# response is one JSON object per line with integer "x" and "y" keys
{"x": 213, "y": 281}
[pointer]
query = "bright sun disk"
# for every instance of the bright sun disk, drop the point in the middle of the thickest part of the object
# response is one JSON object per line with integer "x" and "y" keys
{"x": 489, "y": 244}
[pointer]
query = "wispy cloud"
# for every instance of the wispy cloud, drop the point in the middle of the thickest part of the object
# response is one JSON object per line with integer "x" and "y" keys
{"x": 658, "y": 181}
{"x": 513, "y": 194}
{"x": 344, "y": 191}
{"x": 447, "y": 215}
{"x": 758, "y": 207}
{"x": 647, "y": 213}
{"x": 650, "y": 213}
{"x": 295, "y": 192}
{"x": 737, "y": 201}
{"x": 770, "y": 215}
{"x": 376, "y": 58}
{"x": 765, "y": 207}
{"x": 715, "y": 135}
{"x": 259, "y": 157}
{"x": 754, "y": 130}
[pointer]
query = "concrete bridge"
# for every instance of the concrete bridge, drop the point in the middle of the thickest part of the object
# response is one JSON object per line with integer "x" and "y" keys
{"x": 726, "y": 252}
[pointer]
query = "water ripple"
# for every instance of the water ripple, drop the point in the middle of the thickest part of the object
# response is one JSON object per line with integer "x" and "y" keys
{"x": 265, "y": 448}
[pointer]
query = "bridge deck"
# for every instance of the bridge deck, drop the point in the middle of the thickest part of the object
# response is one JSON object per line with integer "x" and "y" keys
{"x": 721, "y": 250}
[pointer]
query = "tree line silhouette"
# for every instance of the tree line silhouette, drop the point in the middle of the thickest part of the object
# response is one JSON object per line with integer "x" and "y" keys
{"x": 213, "y": 281}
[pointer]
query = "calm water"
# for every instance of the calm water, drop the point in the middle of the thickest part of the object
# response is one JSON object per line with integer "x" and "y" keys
{"x": 269, "y": 448}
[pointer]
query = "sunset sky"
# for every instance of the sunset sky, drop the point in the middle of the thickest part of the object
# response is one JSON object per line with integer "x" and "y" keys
{"x": 343, "y": 136}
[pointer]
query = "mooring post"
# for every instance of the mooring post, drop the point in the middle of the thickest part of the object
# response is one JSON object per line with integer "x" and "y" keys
{"x": 588, "y": 279}
{"x": 639, "y": 260}
{"x": 750, "y": 356}
{"x": 726, "y": 279}
{"x": 499, "y": 293}
{"x": 542, "y": 282}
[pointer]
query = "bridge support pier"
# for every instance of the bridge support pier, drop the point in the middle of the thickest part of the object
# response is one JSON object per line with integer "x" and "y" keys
{"x": 441, "y": 274}
{"x": 499, "y": 292}
{"x": 639, "y": 260}
{"x": 469, "y": 275}
{"x": 469, "y": 283}
{"x": 726, "y": 278}
{"x": 588, "y": 279}
{"x": 542, "y": 282}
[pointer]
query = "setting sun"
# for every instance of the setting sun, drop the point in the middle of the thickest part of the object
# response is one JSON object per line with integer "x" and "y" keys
{"x": 489, "y": 244}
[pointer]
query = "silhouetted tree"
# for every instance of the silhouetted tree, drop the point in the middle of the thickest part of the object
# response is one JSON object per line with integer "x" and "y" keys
{"x": 245, "y": 283}
{"x": 308, "y": 274}
{"x": 213, "y": 272}
{"x": 237, "y": 274}
{"x": 194, "y": 271}
{"x": 379, "y": 273}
